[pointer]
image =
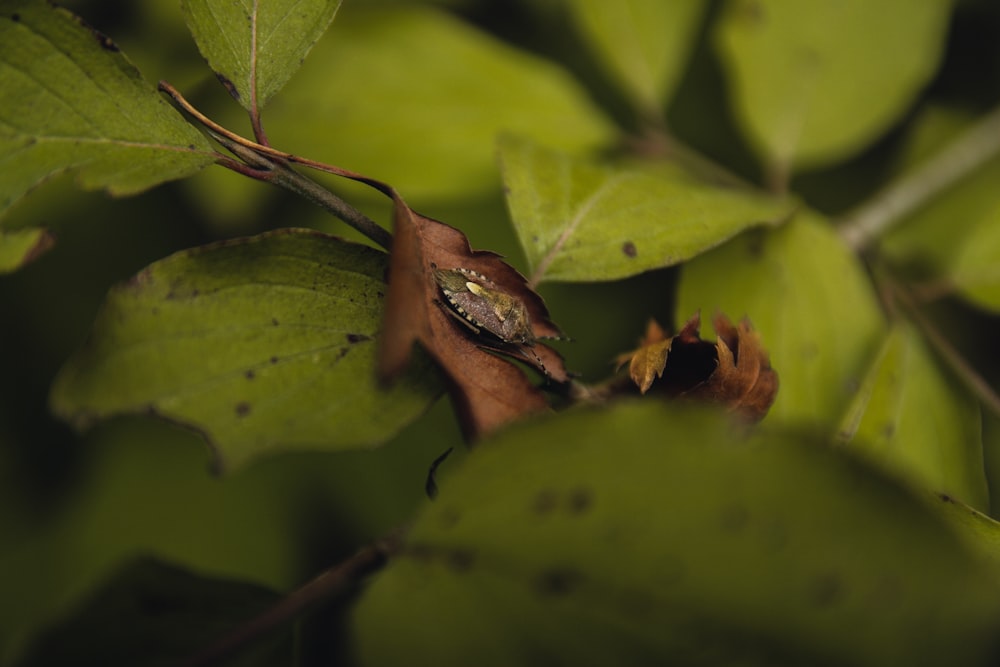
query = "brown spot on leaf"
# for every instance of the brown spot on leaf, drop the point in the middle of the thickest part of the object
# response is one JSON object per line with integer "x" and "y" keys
{"x": 558, "y": 581}
{"x": 545, "y": 502}
{"x": 629, "y": 249}
{"x": 460, "y": 560}
{"x": 106, "y": 42}
{"x": 15, "y": 17}
{"x": 229, "y": 86}
{"x": 580, "y": 500}
{"x": 274, "y": 321}
{"x": 734, "y": 518}
{"x": 357, "y": 338}
{"x": 826, "y": 590}
{"x": 242, "y": 409}
{"x": 274, "y": 360}
{"x": 250, "y": 374}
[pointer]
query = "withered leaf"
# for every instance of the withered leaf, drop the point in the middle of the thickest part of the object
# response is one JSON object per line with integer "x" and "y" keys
{"x": 487, "y": 390}
{"x": 735, "y": 371}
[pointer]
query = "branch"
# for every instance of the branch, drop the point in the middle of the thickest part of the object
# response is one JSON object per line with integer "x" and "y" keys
{"x": 268, "y": 164}
{"x": 884, "y": 210}
{"x": 337, "y": 582}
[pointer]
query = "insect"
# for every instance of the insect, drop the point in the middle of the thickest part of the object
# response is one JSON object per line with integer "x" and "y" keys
{"x": 480, "y": 304}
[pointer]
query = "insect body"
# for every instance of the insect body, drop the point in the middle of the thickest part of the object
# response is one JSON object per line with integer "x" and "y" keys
{"x": 484, "y": 307}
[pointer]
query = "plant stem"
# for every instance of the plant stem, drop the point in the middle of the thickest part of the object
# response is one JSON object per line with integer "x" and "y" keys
{"x": 278, "y": 172}
{"x": 958, "y": 364}
{"x": 268, "y": 164}
{"x": 964, "y": 155}
{"x": 335, "y": 582}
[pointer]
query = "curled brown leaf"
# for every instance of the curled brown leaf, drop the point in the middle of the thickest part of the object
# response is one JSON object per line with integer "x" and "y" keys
{"x": 486, "y": 389}
{"x": 735, "y": 371}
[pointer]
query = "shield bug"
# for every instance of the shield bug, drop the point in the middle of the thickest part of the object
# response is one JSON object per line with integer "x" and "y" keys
{"x": 482, "y": 306}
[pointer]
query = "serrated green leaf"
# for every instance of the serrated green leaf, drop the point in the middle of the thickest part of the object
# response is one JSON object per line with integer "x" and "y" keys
{"x": 21, "y": 246}
{"x": 257, "y": 46}
{"x": 262, "y": 344}
{"x": 416, "y": 98}
{"x": 645, "y": 535}
{"x": 910, "y": 416}
{"x": 580, "y": 220}
{"x": 812, "y": 83}
{"x": 812, "y": 303}
{"x": 70, "y": 100}
{"x": 644, "y": 44}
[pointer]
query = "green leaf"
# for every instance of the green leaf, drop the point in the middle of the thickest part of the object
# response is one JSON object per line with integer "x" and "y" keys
{"x": 812, "y": 83}
{"x": 257, "y": 46}
{"x": 579, "y": 220}
{"x": 263, "y": 343}
{"x": 646, "y": 535}
{"x": 976, "y": 270}
{"x": 910, "y": 416}
{"x": 812, "y": 303}
{"x": 70, "y": 100}
{"x": 19, "y": 247}
{"x": 644, "y": 44}
{"x": 151, "y": 613}
{"x": 416, "y": 98}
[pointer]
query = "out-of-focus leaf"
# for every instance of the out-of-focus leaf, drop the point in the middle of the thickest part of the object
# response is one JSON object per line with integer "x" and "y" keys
{"x": 151, "y": 614}
{"x": 976, "y": 270}
{"x": 929, "y": 240}
{"x": 261, "y": 344}
{"x": 579, "y": 220}
{"x": 19, "y": 247}
{"x": 416, "y": 98}
{"x": 910, "y": 416}
{"x": 257, "y": 46}
{"x": 70, "y": 100}
{"x": 813, "y": 82}
{"x": 643, "y": 535}
{"x": 644, "y": 44}
{"x": 811, "y": 301}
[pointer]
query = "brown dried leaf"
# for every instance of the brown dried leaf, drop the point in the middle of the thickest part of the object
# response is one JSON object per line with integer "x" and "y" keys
{"x": 646, "y": 363}
{"x": 487, "y": 390}
{"x": 735, "y": 371}
{"x": 743, "y": 380}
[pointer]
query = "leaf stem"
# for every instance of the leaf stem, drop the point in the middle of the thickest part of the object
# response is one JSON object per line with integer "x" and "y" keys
{"x": 268, "y": 164}
{"x": 884, "y": 210}
{"x": 958, "y": 364}
{"x": 334, "y": 583}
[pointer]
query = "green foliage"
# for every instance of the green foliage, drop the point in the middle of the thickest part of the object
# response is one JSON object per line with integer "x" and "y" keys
{"x": 261, "y": 343}
{"x": 71, "y": 100}
{"x": 644, "y": 44}
{"x": 359, "y": 91}
{"x": 853, "y": 526}
{"x": 909, "y": 414}
{"x": 810, "y": 300}
{"x": 581, "y": 220}
{"x": 539, "y": 552}
{"x": 257, "y": 61}
{"x": 815, "y": 82}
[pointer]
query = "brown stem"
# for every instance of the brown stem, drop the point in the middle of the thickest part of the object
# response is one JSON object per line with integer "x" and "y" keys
{"x": 267, "y": 164}
{"x": 337, "y": 582}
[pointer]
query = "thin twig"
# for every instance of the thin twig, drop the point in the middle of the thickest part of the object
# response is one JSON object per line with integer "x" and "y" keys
{"x": 268, "y": 164}
{"x": 964, "y": 155}
{"x": 334, "y": 583}
{"x": 959, "y": 365}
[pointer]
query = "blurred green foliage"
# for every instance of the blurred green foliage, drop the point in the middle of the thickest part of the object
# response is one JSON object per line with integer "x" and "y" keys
{"x": 401, "y": 95}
